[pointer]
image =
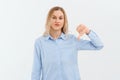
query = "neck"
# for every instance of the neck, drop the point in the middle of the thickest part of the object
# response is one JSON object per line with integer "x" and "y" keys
{"x": 55, "y": 34}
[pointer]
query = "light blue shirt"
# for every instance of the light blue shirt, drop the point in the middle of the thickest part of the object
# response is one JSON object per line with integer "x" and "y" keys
{"x": 57, "y": 59}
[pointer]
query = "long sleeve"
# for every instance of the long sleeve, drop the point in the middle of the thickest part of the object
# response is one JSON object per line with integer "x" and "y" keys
{"x": 36, "y": 68}
{"x": 93, "y": 44}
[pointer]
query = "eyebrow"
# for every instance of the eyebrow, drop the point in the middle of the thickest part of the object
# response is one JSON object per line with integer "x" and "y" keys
{"x": 60, "y": 15}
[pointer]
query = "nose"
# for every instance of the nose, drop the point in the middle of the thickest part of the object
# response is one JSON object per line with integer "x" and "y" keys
{"x": 57, "y": 20}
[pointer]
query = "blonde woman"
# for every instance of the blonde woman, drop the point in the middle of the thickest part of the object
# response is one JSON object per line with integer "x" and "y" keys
{"x": 55, "y": 53}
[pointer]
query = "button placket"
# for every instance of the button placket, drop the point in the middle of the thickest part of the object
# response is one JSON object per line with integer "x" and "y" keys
{"x": 58, "y": 44}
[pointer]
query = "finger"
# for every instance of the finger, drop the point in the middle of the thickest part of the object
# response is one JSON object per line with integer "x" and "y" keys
{"x": 80, "y": 28}
{"x": 80, "y": 35}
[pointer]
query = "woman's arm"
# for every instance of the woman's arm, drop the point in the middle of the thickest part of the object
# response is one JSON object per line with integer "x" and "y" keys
{"x": 93, "y": 44}
{"x": 36, "y": 69}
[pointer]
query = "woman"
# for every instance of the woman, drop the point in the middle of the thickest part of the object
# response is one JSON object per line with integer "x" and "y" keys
{"x": 55, "y": 53}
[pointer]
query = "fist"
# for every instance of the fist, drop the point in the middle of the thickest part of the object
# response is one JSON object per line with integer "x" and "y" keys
{"x": 82, "y": 29}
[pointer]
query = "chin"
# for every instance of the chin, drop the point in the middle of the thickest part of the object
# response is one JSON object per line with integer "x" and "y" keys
{"x": 57, "y": 28}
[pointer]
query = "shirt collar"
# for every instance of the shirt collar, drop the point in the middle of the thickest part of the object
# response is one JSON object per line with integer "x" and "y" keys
{"x": 62, "y": 36}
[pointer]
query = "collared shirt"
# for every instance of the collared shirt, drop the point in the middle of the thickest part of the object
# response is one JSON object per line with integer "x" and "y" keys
{"x": 56, "y": 59}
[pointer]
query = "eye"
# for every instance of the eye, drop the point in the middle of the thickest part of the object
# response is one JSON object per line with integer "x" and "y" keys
{"x": 53, "y": 17}
{"x": 60, "y": 18}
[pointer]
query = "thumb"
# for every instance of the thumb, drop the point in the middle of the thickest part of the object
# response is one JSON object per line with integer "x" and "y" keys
{"x": 79, "y": 36}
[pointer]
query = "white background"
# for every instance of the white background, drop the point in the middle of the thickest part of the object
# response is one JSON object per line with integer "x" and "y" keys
{"x": 22, "y": 21}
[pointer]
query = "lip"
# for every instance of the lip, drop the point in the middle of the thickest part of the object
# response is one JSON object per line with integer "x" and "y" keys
{"x": 57, "y": 24}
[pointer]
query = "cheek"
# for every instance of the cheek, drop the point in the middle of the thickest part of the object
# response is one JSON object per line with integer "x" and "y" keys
{"x": 62, "y": 22}
{"x": 52, "y": 22}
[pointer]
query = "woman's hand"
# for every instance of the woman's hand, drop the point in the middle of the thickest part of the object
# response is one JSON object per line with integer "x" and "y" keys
{"x": 82, "y": 29}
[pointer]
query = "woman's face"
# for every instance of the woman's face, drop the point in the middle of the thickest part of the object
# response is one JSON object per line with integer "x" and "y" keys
{"x": 57, "y": 20}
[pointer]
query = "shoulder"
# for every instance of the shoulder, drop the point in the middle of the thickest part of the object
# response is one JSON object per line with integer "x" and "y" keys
{"x": 39, "y": 39}
{"x": 70, "y": 36}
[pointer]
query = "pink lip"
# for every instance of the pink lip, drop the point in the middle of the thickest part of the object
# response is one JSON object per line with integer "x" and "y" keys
{"x": 57, "y": 24}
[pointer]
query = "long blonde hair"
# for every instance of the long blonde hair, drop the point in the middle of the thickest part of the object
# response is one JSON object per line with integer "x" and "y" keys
{"x": 47, "y": 25}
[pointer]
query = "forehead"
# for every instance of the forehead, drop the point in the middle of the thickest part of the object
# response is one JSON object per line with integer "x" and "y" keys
{"x": 57, "y": 13}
